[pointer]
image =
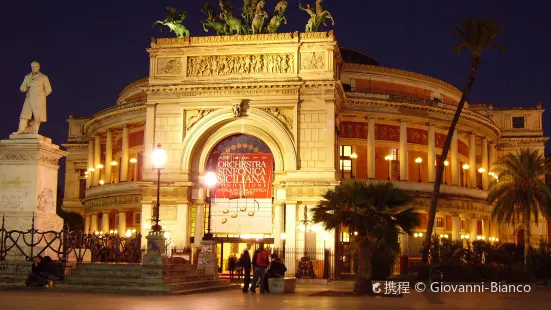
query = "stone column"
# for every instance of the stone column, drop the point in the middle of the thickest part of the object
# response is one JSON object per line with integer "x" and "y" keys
{"x": 108, "y": 156}
{"x": 278, "y": 222}
{"x": 403, "y": 151}
{"x": 486, "y": 228}
{"x": 89, "y": 179}
{"x": 474, "y": 228}
{"x": 87, "y": 224}
{"x": 492, "y": 156}
{"x": 182, "y": 219}
{"x": 472, "y": 160}
{"x": 122, "y": 223}
{"x": 485, "y": 163}
{"x": 93, "y": 223}
{"x": 105, "y": 222}
{"x": 290, "y": 232}
{"x": 371, "y": 148}
{"x": 199, "y": 223}
{"x": 431, "y": 154}
{"x": 124, "y": 155}
{"x": 97, "y": 160}
{"x": 454, "y": 164}
{"x": 456, "y": 226}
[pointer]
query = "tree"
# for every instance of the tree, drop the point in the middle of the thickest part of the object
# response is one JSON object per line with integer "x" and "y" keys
{"x": 477, "y": 36}
{"x": 378, "y": 212}
{"x": 520, "y": 192}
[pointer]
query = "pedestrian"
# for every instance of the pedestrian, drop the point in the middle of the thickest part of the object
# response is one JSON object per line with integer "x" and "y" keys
{"x": 260, "y": 263}
{"x": 276, "y": 269}
{"x": 245, "y": 263}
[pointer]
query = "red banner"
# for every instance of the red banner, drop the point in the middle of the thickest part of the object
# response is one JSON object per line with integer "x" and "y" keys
{"x": 244, "y": 175}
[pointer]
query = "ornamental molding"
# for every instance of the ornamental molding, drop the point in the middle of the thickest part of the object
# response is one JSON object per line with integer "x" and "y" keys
{"x": 328, "y": 36}
{"x": 128, "y": 200}
{"x": 169, "y": 65}
{"x": 468, "y": 115}
{"x": 225, "y": 90}
{"x": 33, "y": 157}
{"x": 394, "y": 71}
{"x": 225, "y": 65}
{"x": 519, "y": 140}
{"x": 75, "y": 145}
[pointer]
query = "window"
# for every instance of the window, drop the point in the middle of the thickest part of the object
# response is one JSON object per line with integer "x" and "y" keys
{"x": 439, "y": 222}
{"x": 346, "y": 161}
{"x": 138, "y": 219}
{"x": 394, "y": 153}
{"x": 518, "y": 121}
{"x": 81, "y": 182}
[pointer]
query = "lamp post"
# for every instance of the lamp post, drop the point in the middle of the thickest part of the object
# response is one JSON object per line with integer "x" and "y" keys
{"x": 132, "y": 162}
{"x": 210, "y": 182}
{"x": 388, "y": 158}
{"x": 465, "y": 168}
{"x": 159, "y": 159}
{"x": 99, "y": 167}
{"x": 419, "y": 160}
{"x": 114, "y": 163}
{"x": 446, "y": 163}
{"x": 353, "y": 156}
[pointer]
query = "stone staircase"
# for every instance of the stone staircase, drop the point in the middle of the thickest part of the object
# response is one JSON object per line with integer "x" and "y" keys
{"x": 128, "y": 278}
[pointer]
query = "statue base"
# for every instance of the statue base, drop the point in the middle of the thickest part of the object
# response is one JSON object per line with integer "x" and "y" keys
{"x": 28, "y": 186}
{"x": 155, "y": 261}
{"x": 207, "y": 260}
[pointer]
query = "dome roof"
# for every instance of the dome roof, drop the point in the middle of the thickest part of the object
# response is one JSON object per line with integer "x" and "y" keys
{"x": 352, "y": 56}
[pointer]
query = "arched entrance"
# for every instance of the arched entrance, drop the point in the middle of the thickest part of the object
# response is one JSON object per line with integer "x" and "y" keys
{"x": 241, "y": 202}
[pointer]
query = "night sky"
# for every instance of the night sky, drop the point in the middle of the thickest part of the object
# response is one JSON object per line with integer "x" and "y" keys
{"x": 91, "y": 50}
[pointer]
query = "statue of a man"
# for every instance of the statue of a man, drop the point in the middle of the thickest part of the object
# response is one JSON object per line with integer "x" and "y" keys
{"x": 37, "y": 86}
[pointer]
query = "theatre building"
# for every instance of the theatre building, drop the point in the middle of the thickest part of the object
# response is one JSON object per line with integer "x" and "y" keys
{"x": 280, "y": 119}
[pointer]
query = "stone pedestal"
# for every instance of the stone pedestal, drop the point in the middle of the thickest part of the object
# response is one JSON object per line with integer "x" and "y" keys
{"x": 207, "y": 259}
{"x": 28, "y": 183}
{"x": 155, "y": 260}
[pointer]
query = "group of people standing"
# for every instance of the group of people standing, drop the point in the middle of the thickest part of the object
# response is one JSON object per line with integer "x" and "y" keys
{"x": 262, "y": 268}
{"x": 44, "y": 273}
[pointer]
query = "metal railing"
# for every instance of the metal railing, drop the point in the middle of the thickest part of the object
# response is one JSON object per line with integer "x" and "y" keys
{"x": 62, "y": 244}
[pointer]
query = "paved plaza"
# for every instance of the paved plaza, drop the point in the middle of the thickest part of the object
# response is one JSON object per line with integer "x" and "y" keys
{"x": 45, "y": 299}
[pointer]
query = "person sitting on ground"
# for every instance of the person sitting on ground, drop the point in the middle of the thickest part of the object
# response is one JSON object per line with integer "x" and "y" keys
{"x": 35, "y": 279}
{"x": 49, "y": 270}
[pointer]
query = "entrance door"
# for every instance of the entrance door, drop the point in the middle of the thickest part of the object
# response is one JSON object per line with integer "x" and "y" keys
{"x": 520, "y": 236}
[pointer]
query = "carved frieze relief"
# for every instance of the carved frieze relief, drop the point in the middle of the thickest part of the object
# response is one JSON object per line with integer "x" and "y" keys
{"x": 197, "y": 117}
{"x": 280, "y": 115}
{"x": 209, "y": 66}
{"x": 312, "y": 61}
{"x": 41, "y": 158}
{"x": 169, "y": 66}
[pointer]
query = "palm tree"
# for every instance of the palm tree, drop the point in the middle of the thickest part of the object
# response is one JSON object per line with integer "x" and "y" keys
{"x": 520, "y": 191}
{"x": 477, "y": 36}
{"x": 378, "y": 212}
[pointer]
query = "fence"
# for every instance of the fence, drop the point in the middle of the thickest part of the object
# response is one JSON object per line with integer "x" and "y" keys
{"x": 64, "y": 244}
{"x": 310, "y": 263}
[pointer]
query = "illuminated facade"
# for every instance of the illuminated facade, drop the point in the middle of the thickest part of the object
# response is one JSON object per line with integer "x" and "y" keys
{"x": 305, "y": 114}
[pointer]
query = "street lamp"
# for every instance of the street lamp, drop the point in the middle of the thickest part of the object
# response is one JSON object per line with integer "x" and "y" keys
{"x": 132, "y": 162}
{"x": 159, "y": 159}
{"x": 114, "y": 163}
{"x": 446, "y": 163}
{"x": 465, "y": 168}
{"x": 353, "y": 156}
{"x": 210, "y": 182}
{"x": 388, "y": 158}
{"x": 419, "y": 160}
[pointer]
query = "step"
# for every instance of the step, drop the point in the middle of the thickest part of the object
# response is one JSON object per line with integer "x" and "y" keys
{"x": 207, "y": 289}
{"x": 106, "y": 266}
{"x": 111, "y": 286}
{"x": 172, "y": 280}
{"x": 124, "y": 273}
{"x": 196, "y": 284}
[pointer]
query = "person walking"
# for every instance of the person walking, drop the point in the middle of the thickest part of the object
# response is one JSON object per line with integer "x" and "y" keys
{"x": 245, "y": 262}
{"x": 260, "y": 262}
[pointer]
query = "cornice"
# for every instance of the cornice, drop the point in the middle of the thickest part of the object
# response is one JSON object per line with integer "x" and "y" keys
{"x": 103, "y": 116}
{"x": 75, "y": 145}
{"x": 133, "y": 85}
{"x": 243, "y": 39}
{"x": 466, "y": 114}
{"x": 399, "y": 72}
{"x": 516, "y": 140}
